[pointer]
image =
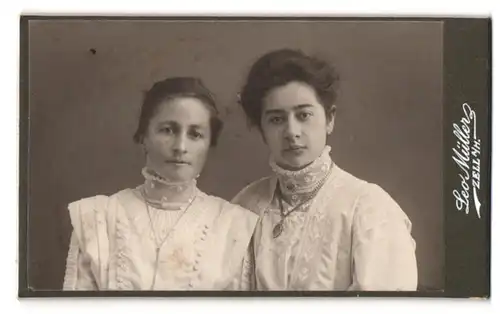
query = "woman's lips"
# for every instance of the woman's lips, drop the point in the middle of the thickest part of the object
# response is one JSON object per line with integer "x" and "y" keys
{"x": 295, "y": 149}
{"x": 178, "y": 162}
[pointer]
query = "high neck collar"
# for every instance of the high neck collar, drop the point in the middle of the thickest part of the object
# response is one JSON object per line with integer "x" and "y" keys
{"x": 164, "y": 194}
{"x": 305, "y": 180}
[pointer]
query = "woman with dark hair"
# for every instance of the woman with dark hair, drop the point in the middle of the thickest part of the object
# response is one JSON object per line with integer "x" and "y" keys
{"x": 320, "y": 227}
{"x": 165, "y": 234}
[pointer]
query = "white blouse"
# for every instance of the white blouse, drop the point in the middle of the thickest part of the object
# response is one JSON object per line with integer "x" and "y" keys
{"x": 113, "y": 246}
{"x": 353, "y": 236}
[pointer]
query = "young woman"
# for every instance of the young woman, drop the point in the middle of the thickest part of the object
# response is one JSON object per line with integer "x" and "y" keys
{"x": 321, "y": 228}
{"x": 165, "y": 234}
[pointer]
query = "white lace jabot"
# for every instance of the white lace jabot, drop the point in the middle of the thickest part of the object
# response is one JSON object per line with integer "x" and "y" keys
{"x": 303, "y": 181}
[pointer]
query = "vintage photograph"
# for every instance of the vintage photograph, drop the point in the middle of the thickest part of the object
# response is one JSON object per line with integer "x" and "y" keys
{"x": 235, "y": 155}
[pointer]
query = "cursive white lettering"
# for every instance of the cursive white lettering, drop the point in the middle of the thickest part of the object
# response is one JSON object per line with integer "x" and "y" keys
{"x": 469, "y": 112}
{"x": 460, "y": 202}
{"x": 460, "y": 134}
{"x": 466, "y": 155}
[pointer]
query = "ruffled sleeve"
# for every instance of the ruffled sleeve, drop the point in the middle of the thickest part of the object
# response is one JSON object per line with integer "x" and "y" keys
{"x": 78, "y": 274}
{"x": 86, "y": 263}
{"x": 383, "y": 248}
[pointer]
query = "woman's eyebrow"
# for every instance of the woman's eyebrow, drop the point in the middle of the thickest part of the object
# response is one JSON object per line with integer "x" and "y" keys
{"x": 196, "y": 126}
{"x": 273, "y": 111}
{"x": 296, "y": 107}
{"x": 163, "y": 122}
{"x": 302, "y": 106}
{"x": 176, "y": 124}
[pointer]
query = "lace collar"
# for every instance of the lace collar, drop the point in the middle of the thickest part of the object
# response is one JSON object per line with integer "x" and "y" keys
{"x": 303, "y": 181}
{"x": 157, "y": 191}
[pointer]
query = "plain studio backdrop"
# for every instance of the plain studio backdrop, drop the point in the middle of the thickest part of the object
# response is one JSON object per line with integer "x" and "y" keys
{"x": 87, "y": 80}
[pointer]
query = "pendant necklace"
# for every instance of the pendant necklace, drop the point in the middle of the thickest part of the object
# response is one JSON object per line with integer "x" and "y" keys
{"x": 158, "y": 243}
{"x": 278, "y": 228}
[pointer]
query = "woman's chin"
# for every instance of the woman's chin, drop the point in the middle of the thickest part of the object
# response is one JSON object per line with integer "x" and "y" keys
{"x": 175, "y": 177}
{"x": 176, "y": 174}
{"x": 294, "y": 164}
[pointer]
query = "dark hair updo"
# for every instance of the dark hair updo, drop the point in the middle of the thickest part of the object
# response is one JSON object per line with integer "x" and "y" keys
{"x": 280, "y": 67}
{"x": 172, "y": 88}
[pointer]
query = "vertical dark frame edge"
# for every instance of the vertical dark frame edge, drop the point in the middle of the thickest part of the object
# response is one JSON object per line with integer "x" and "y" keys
{"x": 23, "y": 285}
{"x": 467, "y": 79}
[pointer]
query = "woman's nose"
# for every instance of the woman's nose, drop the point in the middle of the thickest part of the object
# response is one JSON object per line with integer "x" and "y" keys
{"x": 292, "y": 129}
{"x": 179, "y": 146}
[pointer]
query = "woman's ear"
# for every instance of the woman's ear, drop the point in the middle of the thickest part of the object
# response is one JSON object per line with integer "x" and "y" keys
{"x": 330, "y": 119}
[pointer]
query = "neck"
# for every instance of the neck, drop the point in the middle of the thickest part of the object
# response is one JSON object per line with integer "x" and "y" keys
{"x": 298, "y": 184}
{"x": 291, "y": 169}
{"x": 164, "y": 194}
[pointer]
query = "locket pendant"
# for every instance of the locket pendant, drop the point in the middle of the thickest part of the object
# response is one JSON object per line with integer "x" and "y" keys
{"x": 278, "y": 229}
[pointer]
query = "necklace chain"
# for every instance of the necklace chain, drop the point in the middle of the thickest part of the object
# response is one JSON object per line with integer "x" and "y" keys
{"x": 159, "y": 243}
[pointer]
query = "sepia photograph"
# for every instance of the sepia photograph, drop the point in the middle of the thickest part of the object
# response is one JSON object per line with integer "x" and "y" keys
{"x": 257, "y": 156}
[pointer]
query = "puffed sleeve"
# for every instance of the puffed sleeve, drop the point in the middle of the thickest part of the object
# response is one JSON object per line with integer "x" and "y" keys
{"x": 86, "y": 263}
{"x": 383, "y": 249}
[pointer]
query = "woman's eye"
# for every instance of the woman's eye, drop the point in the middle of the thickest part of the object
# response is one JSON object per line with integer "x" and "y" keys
{"x": 166, "y": 130}
{"x": 276, "y": 120}
{"x": 196, "y": 135}
{"x": 304, "y": 115}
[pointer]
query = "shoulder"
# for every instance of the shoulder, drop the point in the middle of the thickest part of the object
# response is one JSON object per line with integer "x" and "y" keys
{"x": 254, "y": 191}
{"x": 89, "y": 204}
{"x": 231, "y": 220}
{"x": 372, "y": 204}
{"x": 350, "y": 183}
{"x": 341, "y": 192}
{"x": 227, "y": 210}
{"x": 375, "y": 206}
{"x": 259, "y": 185}
{"x": 364, "y": 193}
{"x": 88, "y": 212}
{"x": 374, "y": 197}
{"x": 97, "y": 203}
